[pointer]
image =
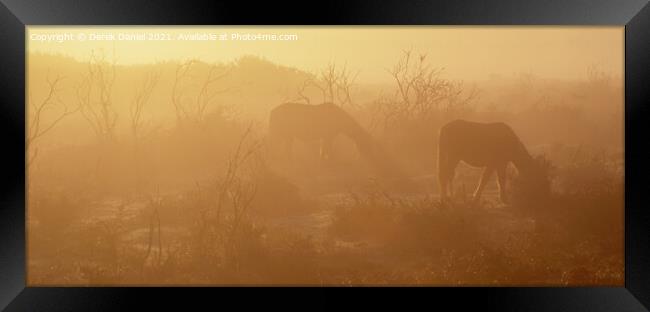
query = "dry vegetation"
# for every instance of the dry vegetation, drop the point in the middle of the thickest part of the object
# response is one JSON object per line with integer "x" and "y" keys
{"x": 159, "y": 174}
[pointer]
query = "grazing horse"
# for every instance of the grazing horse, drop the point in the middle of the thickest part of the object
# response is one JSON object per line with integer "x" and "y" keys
{"x": 488, "y": 145}
{"x": 323, "y": 123}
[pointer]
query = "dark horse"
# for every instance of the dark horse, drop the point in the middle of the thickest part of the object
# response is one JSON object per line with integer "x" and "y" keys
{"x": 488, "y": 145}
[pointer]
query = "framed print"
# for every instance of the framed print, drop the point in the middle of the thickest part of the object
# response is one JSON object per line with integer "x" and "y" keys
{"x": 487, "y": 151}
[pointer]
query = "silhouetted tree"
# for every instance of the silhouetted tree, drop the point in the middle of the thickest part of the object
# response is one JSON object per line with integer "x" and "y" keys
{"x": 95, "y": 97}
{"x": 421, "y": 94}
{"x": 334, "y": 84}
{"x": 194, "y": 109}
{"x": 37, "y": 126}
{"x": 140, "y": 99}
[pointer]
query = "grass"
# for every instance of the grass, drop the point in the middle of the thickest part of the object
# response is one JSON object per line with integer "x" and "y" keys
{"x": 223, "y": 234}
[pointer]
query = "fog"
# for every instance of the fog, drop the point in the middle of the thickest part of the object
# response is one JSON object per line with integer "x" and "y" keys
{"x": 318, "y": 160}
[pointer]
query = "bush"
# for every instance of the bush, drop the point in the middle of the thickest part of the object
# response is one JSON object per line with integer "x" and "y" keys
{"x": 531, "y": 194}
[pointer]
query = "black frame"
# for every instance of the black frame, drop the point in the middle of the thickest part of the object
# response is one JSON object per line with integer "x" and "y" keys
{"x": 633, "y": 14}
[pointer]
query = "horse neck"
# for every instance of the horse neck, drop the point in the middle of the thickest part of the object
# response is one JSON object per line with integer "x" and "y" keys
{"x": 354, "y": 131}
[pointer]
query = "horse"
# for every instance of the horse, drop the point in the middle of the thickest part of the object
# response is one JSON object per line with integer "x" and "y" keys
{"x": 323, "y": 123}
{"x": 491, "y": 146}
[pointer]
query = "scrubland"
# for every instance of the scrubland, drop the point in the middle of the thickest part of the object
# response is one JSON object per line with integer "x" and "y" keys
{"x": 161, "y": 175}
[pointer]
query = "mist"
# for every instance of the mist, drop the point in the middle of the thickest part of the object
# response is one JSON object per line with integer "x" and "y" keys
{"x": 318, "y": 161}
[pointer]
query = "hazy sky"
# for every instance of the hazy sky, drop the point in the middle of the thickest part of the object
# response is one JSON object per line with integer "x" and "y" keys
{"x": 465, "y": 52}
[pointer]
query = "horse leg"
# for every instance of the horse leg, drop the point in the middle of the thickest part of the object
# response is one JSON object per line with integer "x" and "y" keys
{"x": 485, "y": 177}
{"x": 446, "y": 179}
{"x": 501, "y": 180}
{"x": 452, "y": 175}
{"x": 287, "y": 149}
{"x": 325, "y": 149}
{"x": 443, "y": 182}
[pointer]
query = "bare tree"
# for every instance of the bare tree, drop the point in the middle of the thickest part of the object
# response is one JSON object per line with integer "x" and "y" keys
{"x": 231, "y": 187}
{"x": 140, "y": 99}
{"x": 421, "y": 90}
{"x": 344, "y": 82}
{"x": 155, "y": 203}
{"x": 240, "y": 192}
{"x": 219, "y": 225}
{"x": 182, "y": 71}
{"x": 37, "y": 126}
{"x": 207, "y": 93}
{"x": 333, "y": 83}
{"x": 137, "y": 121}
{"x": 301, "y": 91}
{"x": 95, "y": 97}
{"x": 195, "y": 110}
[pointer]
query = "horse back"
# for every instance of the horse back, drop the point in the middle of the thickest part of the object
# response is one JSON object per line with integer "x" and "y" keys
{"x": 307, "y": 122}
{"x": 478, "y": 144}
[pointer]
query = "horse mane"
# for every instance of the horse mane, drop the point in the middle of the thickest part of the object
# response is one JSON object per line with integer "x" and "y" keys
{"x": 366, "y": 144}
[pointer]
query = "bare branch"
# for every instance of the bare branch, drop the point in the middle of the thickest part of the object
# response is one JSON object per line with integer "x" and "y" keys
{"x": 94, "y": 94}
{"x": 37, "y": 127}
{"x": 141, "y": 97}
{"x": 196, "y": 110}
{"x": 334, "y": 84}
{"x": 421, "y": 91}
